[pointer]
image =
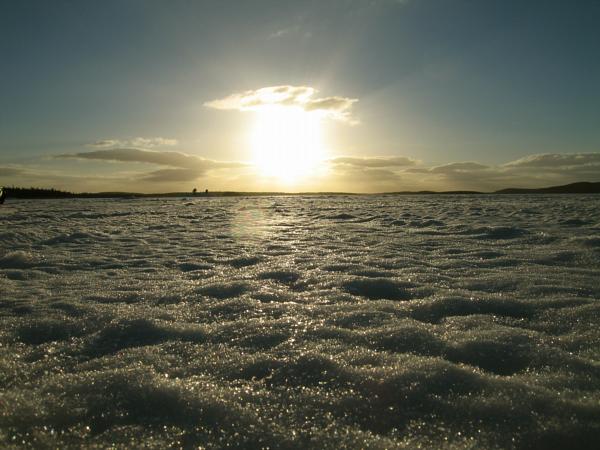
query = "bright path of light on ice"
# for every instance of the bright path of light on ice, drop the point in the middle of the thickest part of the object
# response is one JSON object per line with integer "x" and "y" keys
{"x": 287, "y": 143}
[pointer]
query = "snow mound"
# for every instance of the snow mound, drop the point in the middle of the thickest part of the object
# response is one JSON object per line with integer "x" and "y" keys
{"x": 378, "y": 288}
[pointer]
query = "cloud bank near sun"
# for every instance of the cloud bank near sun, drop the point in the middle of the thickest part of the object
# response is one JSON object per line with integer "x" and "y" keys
{"x": 151, "y": 170}
{"x": 303, "y": 97}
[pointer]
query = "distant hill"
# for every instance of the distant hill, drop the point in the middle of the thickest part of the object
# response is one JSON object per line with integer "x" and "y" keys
{"x": 573, "y": 188}
{"x": 435, "y": 193}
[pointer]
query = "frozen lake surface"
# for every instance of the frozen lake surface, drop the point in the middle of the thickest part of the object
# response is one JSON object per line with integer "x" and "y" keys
{"x": 301, "y": 322}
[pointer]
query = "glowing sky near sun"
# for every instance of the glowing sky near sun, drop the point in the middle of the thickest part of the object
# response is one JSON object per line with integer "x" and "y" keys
{"x": 339, "y": 95}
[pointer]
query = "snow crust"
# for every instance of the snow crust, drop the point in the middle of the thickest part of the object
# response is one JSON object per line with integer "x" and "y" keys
{"x": 301, "y": 322}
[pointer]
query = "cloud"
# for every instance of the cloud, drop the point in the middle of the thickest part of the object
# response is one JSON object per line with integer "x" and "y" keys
{"x": 281, "y": 32}
{"x": 134, "y": 142}
{"x": 176, "y": 169}
{"x": 379, "y": 161}
{"x": 401, "y": 173}
{"x": 175, "y": 159}
{"x": 556, "y": 160}
{"x": 297, "y": 96}
{"x": 459, "y": 167}
{"x": 465, "y": 175}
{"x": 291, "y": 31}
{"x": 181, "y": 166}
{"x": 171, "y": 175}
{"x": 372, "y": 174}
{"x": 556, "y": 167}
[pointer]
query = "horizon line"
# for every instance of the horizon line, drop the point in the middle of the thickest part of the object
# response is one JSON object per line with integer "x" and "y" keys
{"x": 592, "y": 187}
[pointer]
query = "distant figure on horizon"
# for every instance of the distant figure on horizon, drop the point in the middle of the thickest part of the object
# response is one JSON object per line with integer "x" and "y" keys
{"x": 206, "y": 191}
{"x": 2, "y": 195}
{"x": 194, "y": 191}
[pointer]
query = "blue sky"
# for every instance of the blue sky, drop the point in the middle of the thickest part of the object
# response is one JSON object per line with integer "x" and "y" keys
{"x": 472, "y": 94}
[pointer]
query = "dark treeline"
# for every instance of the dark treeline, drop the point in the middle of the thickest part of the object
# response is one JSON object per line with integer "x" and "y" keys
{"x": 32, "y": 192}
{"x": 19, "y": 192}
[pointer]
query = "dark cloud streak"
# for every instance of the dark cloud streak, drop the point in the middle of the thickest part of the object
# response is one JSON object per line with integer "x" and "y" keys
{"x": 556, "y": 160}
{"x": 182, "y": 167}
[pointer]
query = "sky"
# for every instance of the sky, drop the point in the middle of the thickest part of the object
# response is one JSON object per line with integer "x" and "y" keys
{"x": 325, "y": 95}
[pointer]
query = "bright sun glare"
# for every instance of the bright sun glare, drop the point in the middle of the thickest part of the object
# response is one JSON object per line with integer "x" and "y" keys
{"x": 287, "y": 143}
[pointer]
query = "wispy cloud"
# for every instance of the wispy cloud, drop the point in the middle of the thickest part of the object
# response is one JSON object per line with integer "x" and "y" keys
{"x": 173, "y": 175}
{"x": 380, "y": 161}
{"x": 291, "y": 31}
{"x": 334, "y": 107}
{"x": 459, "y": 167}
{"x": 134, "y": 142}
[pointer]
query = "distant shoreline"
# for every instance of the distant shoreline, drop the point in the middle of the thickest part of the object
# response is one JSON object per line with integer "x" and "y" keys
{"x": 43, "y": 193}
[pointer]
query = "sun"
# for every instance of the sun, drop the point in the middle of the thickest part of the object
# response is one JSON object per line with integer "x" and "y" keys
{"x": 287, "y": 143}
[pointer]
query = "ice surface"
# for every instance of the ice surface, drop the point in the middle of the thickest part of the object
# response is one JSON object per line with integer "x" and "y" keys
{"x": 301, "y": 322}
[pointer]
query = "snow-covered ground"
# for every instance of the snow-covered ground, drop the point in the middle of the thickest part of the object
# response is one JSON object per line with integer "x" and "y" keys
{"x": 301, "y": 322}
